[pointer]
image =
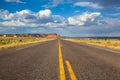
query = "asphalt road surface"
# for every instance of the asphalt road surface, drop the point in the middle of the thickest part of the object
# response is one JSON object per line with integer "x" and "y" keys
{"x": 59, "y": 60}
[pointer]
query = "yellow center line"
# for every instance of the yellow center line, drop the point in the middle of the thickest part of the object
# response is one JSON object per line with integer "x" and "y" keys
{"x": 61, "y": 65}
{"x": 72, "y": 75}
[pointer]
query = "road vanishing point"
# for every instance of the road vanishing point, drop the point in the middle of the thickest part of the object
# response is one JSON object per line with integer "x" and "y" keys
{"x": 59, "y": 60}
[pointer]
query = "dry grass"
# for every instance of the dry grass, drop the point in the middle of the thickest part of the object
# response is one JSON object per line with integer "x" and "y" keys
{"x": 7, "y": 42}
{"x": 108, "y": 43}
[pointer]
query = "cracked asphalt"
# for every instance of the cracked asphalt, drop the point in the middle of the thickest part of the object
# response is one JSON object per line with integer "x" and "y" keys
{"x": 41, "y": 62}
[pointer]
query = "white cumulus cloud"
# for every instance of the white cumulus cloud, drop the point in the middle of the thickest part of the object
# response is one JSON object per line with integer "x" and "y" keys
{"x": 25, "y": 17}
{"x": 12, "y": 23}
{"x": 88, "y": 4}
{"x": 44, "y": 13}
{"x": 44, "y": 18}
{"x": 5, "y": 15}
{"x": 84, "y": 19}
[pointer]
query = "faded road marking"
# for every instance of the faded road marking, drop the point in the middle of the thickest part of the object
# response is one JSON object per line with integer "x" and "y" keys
{"x": 69, "y": 67}
{"x": 28, "y": 46}
{"x": 61, "y": 65}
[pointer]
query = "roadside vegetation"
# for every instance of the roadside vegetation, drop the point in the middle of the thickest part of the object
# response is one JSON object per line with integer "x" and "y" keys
{"x": 7, "y": 42}
{"x": 108, "y": 43}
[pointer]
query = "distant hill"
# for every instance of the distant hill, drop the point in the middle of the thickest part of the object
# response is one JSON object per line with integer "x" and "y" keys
{"x": 51, "y": 35}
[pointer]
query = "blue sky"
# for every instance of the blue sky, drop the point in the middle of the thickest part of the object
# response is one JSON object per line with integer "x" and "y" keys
{"x": 76, "y": 18}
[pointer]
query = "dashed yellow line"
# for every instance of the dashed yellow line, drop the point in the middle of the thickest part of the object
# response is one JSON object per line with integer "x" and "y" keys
{"x": 69, "y": 67}
{"x": 61, "y": 65}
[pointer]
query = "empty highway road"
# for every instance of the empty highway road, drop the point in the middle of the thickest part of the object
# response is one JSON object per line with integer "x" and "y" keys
{"x": 59, "y": 60}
